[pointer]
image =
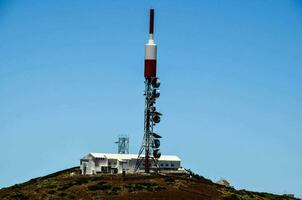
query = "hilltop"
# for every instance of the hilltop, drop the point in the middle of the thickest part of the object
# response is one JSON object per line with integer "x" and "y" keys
{"x": 69, "y": 184}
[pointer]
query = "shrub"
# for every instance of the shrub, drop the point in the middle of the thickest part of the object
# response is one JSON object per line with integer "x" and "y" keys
{"x": 62, "y": 194}
{"x": 169, "y": 179}
{"x": 143, "y": 186}
{"x": 19, "y": 196}
{"x": 80, "y": 181}
{"x": 65, "y": 187}
{"x": 197, "y": 176}
{"x": 231, "y": 197}
{"x": 51, "y": 192}
{"x": 114, "y": 191}
{"x": 99, "y": 187}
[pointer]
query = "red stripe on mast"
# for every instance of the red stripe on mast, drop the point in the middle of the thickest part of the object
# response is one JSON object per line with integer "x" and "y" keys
{"x": 150, "y": 68}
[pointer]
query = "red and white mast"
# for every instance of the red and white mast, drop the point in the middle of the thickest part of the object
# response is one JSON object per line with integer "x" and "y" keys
{"x": 150, "y": 50}
{"x": 151, "y": 142}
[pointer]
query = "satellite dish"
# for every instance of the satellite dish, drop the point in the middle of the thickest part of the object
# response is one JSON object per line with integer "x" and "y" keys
{"x": 156, "y": 93}
{"x": 152, "y": 109}
{"x": 155, "y": 82}
{"x": 156, "y": 143}
{"x": 156, "y": 118}
{"x": 155, "y": 135}
{"x": 157, "y": 113}
{"x": 156, "y": 153}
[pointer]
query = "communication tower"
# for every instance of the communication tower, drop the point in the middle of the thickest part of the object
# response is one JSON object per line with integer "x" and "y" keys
{"x": 151, "y": 140}
{"x": 123, "y": 144}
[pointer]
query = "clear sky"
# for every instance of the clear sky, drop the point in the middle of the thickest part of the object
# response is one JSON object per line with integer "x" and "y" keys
{"x": 71, "y": 81}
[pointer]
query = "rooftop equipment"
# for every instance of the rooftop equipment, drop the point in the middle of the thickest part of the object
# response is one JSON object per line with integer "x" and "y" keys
{"x": 123, "y": 144}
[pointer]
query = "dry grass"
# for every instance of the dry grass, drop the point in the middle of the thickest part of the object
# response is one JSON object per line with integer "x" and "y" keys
{"x": 62, "y": 185}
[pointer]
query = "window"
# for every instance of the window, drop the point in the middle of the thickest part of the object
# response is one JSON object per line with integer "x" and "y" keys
{"x": 161, "y": 164}
{"x": 172, "y": 165}
{"x": 97, "y": 162}
{"x": 167, "y": 165}
{"x": 84, "y": 161}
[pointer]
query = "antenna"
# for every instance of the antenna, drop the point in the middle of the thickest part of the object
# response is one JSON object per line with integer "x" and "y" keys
{"x": 151, "y": 25}
{"x": 123, "y": 144}
{"x": 151, "y": 140}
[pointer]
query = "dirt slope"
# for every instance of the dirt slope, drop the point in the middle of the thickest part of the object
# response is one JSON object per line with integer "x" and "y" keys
{"x": 69, "y": 184}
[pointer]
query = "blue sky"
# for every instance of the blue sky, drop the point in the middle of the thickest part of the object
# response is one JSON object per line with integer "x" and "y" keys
{"x": 71, "y": 81}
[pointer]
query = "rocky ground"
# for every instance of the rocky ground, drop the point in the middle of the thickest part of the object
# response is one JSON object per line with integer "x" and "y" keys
{"x": 69, "y": 184}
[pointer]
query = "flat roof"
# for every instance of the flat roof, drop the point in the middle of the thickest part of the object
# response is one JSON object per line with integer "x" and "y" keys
{"x": 130, "y": 156}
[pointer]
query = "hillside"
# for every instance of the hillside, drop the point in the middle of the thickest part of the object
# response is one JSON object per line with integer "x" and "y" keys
{"x": 69, "y": 184}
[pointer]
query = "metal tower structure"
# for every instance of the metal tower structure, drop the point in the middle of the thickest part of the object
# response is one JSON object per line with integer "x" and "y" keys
{"x": 123, "y": 144}
{"x": 149, "y": 151}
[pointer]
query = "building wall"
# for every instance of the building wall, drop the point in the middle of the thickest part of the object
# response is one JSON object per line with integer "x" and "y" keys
{"x": 169, "y": 164}
{"x": 87, "y": 166}
{"x": 99, "y": 163}
{"x": 95, "y": 165}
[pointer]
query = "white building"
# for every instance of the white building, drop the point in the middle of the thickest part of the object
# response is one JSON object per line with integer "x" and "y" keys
{"x": 94, "y": 163}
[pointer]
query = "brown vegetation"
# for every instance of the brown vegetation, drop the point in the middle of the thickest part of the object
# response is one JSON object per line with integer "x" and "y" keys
{"x": 69, "y": 184}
